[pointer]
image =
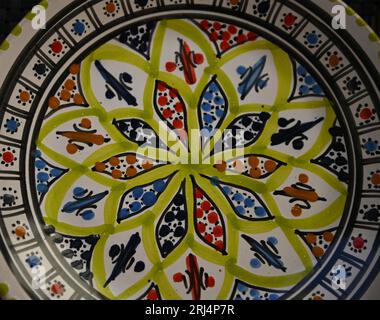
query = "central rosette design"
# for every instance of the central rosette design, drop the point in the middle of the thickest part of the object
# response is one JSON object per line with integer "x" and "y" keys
{"x": 175, "y": 161}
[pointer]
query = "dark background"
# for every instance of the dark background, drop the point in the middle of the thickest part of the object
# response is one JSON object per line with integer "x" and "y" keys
{"x": 12, "y": 11}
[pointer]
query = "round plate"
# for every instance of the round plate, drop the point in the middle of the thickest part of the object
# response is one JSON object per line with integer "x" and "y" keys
{"x": 150, "y": 152}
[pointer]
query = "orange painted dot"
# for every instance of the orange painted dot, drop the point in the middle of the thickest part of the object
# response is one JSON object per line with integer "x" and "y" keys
{"x": 221, "y": 167}
{"x": 85, "y": 123}
{"x": 24, "y": 96}
{"x": 69, "y": 84}
{"x": 74, "y": 68}
{"x": 303, "y": 178}
{"x": 334, "y": 60}
{"x": 375, "y": 179}
{"x": 100, "y": 167}
{"x": 65, "y": 95}
{"x": 296, "y": 210}
{"x": 234, "y": 2}
{"x": 255, "y": 172}
{"x": 20, "y": 231}
{"x": 317, "y": 298}
{"x": 147, "y": 165}
{"x": 270, "y": 165}
{"x": 114, "y": 161}
{"x": 310, "y": 238}
{"x": 78, "y": 99}
{"x": 131, "y": 159}
{"x": 54, "y": 103}
{"x": 110, "y": 7}
{"x": 131, "y": 171}
{"x": 253, "y": 161}
{"x": 328, "y": 236}
{"x": 318, "y": 252}
{"x": 116, "y": 174}
{"x": 72, "y": 148}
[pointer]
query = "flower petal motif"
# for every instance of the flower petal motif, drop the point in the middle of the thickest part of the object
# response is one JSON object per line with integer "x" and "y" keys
{"x": 172, "y": 225}
{"x": 127, "y": 165}
{"x": 208, "y": 221}
{"x": 243, "y": 131}
{"x": 139, "y": 132}
{"x": 246, "y": 204}
{"x": 212, "y": 109}
{"x": 141, "y": 198}
{"x": 253, "y": 166}
{"x": 171, "y": 108}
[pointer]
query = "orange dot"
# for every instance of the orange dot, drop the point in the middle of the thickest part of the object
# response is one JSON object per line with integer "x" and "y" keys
{"x": 318, "y": 252}
{"x": 131, "y": 171}
{"x": 375, "y": 179}
{"x": 116, "y": 174}
{"x": 20, "y": 231}
{"x": 69, "y": 84}
{"x": 310, "y": 238}
{"x": 328, "y": 236}
{"x": 253, "y": 161}
{"x": 296, "y": 210}
{"x": 110, "y": 7}
{"x": 100, "y": 166}
{"x": 24, "y": 96}
{"x": 74, "y": 68}
{"x": 85, "y": 123}
{"x": 255, "y": 172}
{"x": 114, "y": 161}
{"x": 131, "y": 159}
{"x": 270, "y": 165}
{"x": 98, "y": 140}
{"x": 72, "y": 148}
{"x": 333, "y": 60}
{"x": 147, "y": 164}
{"x": 317, "y": 298}
{"x": 234, "y": 2}
{"x": 303, "y": 178}
{"x": 78, "y": 99}
{"x": 65, "y": 95}
{"x": 221, "y": 167}
{"x": 54, "y": 103}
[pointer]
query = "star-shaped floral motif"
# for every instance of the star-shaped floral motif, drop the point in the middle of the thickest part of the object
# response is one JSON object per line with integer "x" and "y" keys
{"x": 195, "y": 167}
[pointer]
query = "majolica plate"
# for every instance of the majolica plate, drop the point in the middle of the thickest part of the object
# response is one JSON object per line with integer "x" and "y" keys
{"x": 198, "y": 149}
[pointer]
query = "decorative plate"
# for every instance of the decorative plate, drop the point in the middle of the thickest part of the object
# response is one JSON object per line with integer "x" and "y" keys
{"x": 198, "y": 149}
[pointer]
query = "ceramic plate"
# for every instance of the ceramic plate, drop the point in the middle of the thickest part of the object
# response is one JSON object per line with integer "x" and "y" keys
{"x": 198, "y": 149}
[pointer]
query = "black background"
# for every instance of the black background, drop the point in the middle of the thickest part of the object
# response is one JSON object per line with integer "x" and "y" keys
{"x": 12, "y": 11}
